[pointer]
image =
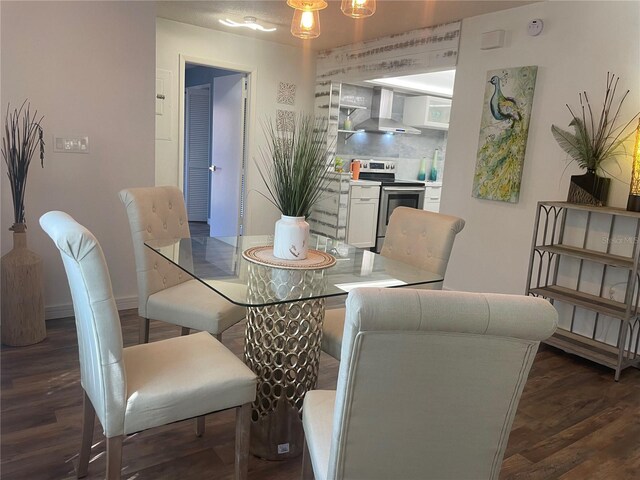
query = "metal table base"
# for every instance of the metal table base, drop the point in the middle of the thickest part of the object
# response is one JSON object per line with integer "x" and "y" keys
{"x": 282, "y": 346}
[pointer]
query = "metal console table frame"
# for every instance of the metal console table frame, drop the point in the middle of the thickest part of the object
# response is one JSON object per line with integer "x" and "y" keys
{"x": 548, "y": 247}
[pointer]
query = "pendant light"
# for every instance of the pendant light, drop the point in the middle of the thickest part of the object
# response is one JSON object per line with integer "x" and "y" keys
{"x": 309, "y": 5}
{"x": 358, "y": 8}
{"x": 305, "y": 24}
{"x": 306, "y": 19}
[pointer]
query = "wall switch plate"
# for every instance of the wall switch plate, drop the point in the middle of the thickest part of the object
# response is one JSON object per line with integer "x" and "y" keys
{"x": 71, "y": 144}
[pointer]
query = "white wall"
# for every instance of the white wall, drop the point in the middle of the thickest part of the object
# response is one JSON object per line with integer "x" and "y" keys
{"x": 89, "y": 67}
{"x": 270, "y": 63}
{"x": 581, "y": 41}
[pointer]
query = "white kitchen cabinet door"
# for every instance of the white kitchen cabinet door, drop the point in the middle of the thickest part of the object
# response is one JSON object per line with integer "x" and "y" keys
{"x": 432, "y": 198}
{"x": 363, "y": 216}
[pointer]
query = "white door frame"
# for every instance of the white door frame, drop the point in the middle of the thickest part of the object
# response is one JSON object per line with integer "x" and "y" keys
{"x": 250, "y": 121}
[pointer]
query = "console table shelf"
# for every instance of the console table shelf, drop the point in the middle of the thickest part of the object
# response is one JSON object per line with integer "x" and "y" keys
{"x": 548, "y": 278}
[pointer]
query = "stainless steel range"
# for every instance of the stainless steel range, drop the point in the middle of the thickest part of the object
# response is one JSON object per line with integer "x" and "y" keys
{"x": 393, "y": 193}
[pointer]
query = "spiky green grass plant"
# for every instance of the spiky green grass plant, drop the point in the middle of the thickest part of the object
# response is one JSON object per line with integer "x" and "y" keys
{"x": 22, "y": 137}
{"x": 294, "y": 164}
{"x": 595, "y": 138}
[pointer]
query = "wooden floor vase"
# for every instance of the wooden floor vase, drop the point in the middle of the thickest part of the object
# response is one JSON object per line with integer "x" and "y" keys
{"x": 22, "y": 294}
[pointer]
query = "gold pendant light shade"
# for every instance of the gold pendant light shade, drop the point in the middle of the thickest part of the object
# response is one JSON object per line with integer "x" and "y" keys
{"x": 307, "y": 5}
{"x": 358, "y": 8}
{"x": 305, "y": 24}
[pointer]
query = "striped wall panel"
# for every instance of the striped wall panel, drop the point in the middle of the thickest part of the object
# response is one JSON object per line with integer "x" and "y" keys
{"x": 416, "y": 51}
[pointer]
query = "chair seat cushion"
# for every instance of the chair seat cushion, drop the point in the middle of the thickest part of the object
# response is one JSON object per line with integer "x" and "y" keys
{"x": 317, "y": 420}
{"x": 332, "y": 332}
{"x": 194, "y": 305}
{"x": 181, "y": 378}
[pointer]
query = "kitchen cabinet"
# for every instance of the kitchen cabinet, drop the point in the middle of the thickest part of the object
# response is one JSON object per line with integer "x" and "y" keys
{"x": 563, "y": 267}
{"x": 427, "y": 112}
{"x": 432, "y": 198}
{"x": 363, "y": 215}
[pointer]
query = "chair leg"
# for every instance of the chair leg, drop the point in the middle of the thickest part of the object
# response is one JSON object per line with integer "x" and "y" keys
{"x": 143, "y": 332}
{"x": 307, "y": 468}
{"x": 184, "y": 331}
{"x": 88, "y": 421}
{"x": 243, "y": 425}
{"x": 114, "y": 457}
{"x": 200, "y": 426}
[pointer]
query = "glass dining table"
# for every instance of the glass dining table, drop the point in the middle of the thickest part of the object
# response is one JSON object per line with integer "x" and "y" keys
{"x": 285, "y": 312}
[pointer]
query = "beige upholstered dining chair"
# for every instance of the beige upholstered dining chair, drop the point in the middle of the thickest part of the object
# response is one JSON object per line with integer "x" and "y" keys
{"x": 428, "y": 386}
{"x": 144, "y": 386}
{"x": 417, "y": 237}
{"x": 164, "y": 291}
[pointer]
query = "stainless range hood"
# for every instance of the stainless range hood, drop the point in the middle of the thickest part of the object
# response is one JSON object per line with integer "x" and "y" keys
{"x": 381, "y": 120}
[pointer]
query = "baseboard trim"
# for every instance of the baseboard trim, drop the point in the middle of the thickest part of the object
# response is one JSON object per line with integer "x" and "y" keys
{"x": 52, "y": 312}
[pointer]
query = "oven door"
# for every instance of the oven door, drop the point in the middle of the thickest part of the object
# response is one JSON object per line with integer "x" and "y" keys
{"x": 394, "y": 197}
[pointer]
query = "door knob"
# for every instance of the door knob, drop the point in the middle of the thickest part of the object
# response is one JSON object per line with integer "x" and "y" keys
{"x": 213, "y": 168}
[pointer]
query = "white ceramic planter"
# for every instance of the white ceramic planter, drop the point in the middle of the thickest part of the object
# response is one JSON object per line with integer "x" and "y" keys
{"x": 291, "y": 240}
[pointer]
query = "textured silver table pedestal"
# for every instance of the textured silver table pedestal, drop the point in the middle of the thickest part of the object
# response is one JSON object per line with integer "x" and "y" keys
{"x": 282, "y": 346}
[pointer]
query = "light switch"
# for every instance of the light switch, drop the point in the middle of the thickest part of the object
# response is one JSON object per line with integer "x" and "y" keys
{"x": 71, "y": 144}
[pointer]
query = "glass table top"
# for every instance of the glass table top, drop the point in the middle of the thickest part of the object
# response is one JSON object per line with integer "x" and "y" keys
{"x": 218, "y": 263}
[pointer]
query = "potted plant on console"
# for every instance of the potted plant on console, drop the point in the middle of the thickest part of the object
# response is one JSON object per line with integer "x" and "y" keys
{"x": 294, "y": 169}
{"x": 21, "y": 269}
{"x": 595, "y": 139}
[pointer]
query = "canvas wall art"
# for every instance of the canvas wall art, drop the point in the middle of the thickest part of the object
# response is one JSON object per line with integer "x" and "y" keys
{"x": 508, "y": 98}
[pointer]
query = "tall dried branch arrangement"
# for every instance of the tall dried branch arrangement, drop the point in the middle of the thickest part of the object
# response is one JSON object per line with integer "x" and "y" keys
{"x": 22, "y": 138}
{"x": 595, "y": 138}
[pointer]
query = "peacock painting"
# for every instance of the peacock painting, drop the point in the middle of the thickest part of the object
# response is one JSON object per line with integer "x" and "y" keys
{"x": 503, "y": 133}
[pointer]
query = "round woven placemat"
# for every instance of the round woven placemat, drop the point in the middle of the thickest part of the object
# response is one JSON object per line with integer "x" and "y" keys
{"x": 315, "y": 260}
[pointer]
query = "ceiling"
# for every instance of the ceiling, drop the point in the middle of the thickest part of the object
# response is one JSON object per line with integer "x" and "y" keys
{"x": 392, "y": 16}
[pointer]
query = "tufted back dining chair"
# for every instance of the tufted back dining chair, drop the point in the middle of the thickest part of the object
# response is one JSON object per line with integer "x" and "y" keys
{"x": 135, "y": 388}
{"x": 416, "y": 237}
{"x": 165, "y": 292}
{"x": 428, "y": 386}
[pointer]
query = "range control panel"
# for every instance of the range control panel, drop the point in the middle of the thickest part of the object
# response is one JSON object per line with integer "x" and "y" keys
{"x": 377, "y": 166}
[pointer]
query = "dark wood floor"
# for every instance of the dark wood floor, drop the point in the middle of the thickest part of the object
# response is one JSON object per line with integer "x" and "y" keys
{"x": 574, "y": 422}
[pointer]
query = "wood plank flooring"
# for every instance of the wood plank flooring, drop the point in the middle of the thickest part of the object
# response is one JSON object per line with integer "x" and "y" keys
{"x": 573, "y": 423}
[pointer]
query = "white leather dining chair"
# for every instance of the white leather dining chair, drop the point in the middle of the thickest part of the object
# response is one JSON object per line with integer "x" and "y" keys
{"x": 165, "y": 292}
{"x": 428, "y": 385}
{"x": 416, "y": 237}
{"x": 144, "y": 386}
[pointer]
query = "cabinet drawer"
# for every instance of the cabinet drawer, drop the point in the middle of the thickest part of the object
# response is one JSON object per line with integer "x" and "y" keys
{"x": 370, "y": 192}
{"x": 432, "y": 207}
{"x": 432, "y": 193}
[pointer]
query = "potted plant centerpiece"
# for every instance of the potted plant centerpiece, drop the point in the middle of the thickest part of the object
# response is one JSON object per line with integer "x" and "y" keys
{"x": 294, "y": 169}
{"x": 595, "y": 139}
{"x": 21, "y": 269}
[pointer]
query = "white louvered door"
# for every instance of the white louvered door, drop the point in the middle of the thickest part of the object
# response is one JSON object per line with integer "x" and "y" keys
{"x": 197, "y": 151}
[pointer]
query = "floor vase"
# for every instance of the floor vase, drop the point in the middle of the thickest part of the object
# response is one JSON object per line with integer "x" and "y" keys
{"x": 22, "y": 294}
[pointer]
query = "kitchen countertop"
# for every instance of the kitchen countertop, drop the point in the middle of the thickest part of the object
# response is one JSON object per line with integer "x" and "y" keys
{"x": 364, "y": 183}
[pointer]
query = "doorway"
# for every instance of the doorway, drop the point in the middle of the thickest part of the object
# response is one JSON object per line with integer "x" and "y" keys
{"x": 214, "y": 155}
